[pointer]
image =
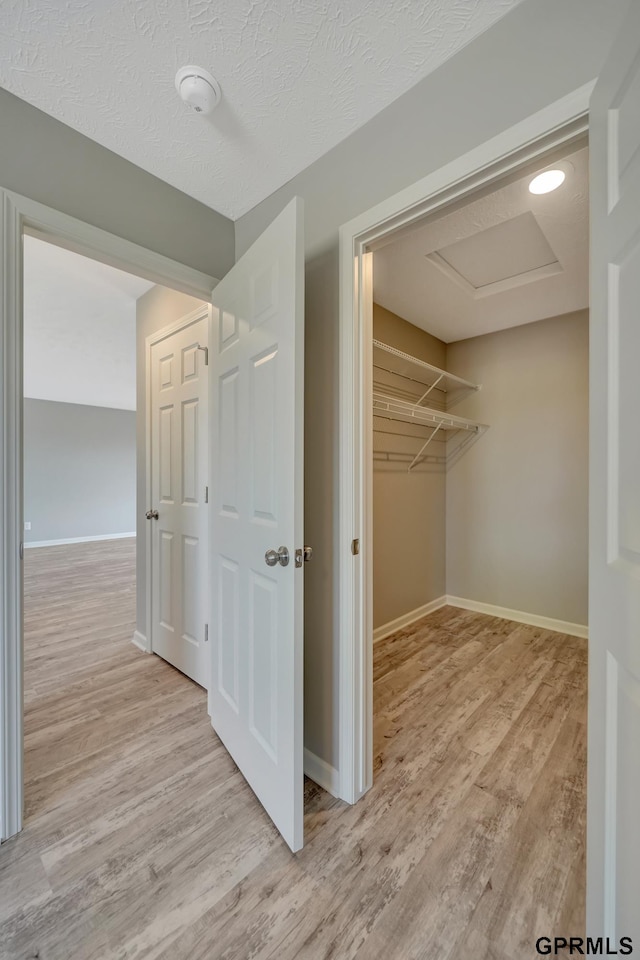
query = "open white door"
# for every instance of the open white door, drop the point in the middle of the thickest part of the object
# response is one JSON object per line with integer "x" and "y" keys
{"x": 613, "y": 798}
{"x": 256, "y": 390}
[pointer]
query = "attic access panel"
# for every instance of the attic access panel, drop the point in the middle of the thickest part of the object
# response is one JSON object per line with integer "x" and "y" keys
{"x": 505, "y": 255}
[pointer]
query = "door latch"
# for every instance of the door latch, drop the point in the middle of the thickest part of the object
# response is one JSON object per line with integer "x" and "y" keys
{"x": 152, "y": 514}
{"x": 303, "y": 555}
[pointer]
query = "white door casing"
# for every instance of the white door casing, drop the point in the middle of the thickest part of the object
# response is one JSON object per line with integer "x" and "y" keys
{"x": 256, "y": 505}
{"x": 613, "y": 792}
{"x": 179, "y": 478}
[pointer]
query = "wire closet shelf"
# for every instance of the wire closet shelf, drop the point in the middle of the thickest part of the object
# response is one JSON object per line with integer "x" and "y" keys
{"x": 393, "y": 400}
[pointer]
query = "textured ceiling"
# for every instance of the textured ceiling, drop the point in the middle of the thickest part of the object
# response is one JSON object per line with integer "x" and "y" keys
{"x": 79, "y": 328}
{"x": 407, "y": 281}
{"x": 297, "y": 77}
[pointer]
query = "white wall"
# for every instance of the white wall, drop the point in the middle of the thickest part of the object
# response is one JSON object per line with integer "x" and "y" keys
{"x": 79, "y": 470}
{"x": 517, "y": 500}
{"x": 538, "y": 53}
{"x": 79, "y": 328}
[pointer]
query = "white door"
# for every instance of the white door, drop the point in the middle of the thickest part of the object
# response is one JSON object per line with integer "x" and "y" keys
{"x": 256, "y": 410}
{"x": 613, "y": 798}
{"x": 179, "y": 466}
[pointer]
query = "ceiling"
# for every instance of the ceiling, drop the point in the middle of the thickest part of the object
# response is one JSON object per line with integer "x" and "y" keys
{"x": 505, "y": 259}
{"x": 79, "y": 328}
{"x": 297, "y": 77}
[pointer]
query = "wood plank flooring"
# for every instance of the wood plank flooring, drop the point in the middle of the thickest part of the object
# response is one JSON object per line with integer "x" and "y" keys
{"x": 142, "y": 840}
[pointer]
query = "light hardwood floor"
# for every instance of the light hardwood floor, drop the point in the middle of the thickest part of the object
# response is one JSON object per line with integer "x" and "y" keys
{"x": 142, "y": 840}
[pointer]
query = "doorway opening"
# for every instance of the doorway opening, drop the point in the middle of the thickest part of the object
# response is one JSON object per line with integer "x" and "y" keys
{"x": 257, "y": 428}
{"x": 96, "y": 441}
{"x": 514, "y": 154}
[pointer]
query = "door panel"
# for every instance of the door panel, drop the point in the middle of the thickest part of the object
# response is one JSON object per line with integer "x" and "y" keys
{"x": 190, "y": 437}
{"x": 255, "y": 697}
{"x": 228, "y": 639}
{"x": 165, "y": 454}
{"x": 263, "y": 433}
{"x": 166, "y": 579}
{"x": 228, "y": 439}
{"x": 613, "y": 843}
{"x": 179, "y": 465}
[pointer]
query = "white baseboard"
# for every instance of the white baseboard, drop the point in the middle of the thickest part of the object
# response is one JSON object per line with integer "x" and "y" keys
{"x": 59, "y": 543}
{"x": 321, "y": 773}
{"x": 388, "y": 628}
{"x": 519, "y": 616}
{"x": 140, "y": 641}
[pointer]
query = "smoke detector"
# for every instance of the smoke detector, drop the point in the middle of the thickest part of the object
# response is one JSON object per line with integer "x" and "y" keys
{"x": 198, "y": 89}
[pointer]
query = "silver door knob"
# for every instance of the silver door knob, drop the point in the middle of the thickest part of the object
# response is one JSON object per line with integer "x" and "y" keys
{"x": 281, "y": 556}
{"x": 152, "y": 514}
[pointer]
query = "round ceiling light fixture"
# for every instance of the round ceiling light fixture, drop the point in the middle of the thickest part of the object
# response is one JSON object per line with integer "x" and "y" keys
{"x": 547, "y": 181}
{"x": 198, "y": 89}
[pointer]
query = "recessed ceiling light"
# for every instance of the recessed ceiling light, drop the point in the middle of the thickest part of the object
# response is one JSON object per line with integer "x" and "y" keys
{"x": 547, "y": 181}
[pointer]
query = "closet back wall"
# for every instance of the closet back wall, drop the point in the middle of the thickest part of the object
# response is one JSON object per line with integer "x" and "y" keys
{"x": 408, "y": 508}
{"x": 517, "y": 500}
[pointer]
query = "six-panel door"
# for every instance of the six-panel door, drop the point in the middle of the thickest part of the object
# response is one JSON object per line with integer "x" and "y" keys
{"x": 256, "y": 411}
{"x": 178, "y": 482}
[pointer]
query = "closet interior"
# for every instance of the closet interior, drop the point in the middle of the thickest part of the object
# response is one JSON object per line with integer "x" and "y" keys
{"x": 480, "y": 409}
{"x": 479, "y": 470}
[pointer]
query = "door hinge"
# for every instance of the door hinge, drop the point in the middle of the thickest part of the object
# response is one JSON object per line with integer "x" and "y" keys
{"x": 206, "y": 494}
{"x": 355, "y": 547}
{"x": 206, "y": 632}
{"x": 206, "y": 354}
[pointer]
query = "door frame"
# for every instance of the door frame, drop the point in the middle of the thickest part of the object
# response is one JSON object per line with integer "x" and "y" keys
{"x": 20, "y": 215}
{"x": 200, "y": 313}
{"x": 557, "y": 124}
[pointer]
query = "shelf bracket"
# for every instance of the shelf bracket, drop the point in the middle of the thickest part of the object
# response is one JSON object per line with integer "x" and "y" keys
{"x": 432, "y": 387}
{"x": 423, "y": 448}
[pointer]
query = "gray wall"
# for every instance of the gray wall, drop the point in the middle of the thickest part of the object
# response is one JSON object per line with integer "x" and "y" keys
{"x": 517, "y": 500}
{"x": 47, "y": 161}
{"x": 79, "y": 470}
{"x": 540, "y": 51}
{"x": 409, "y": 513}
{"x": 157, "y": 308}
